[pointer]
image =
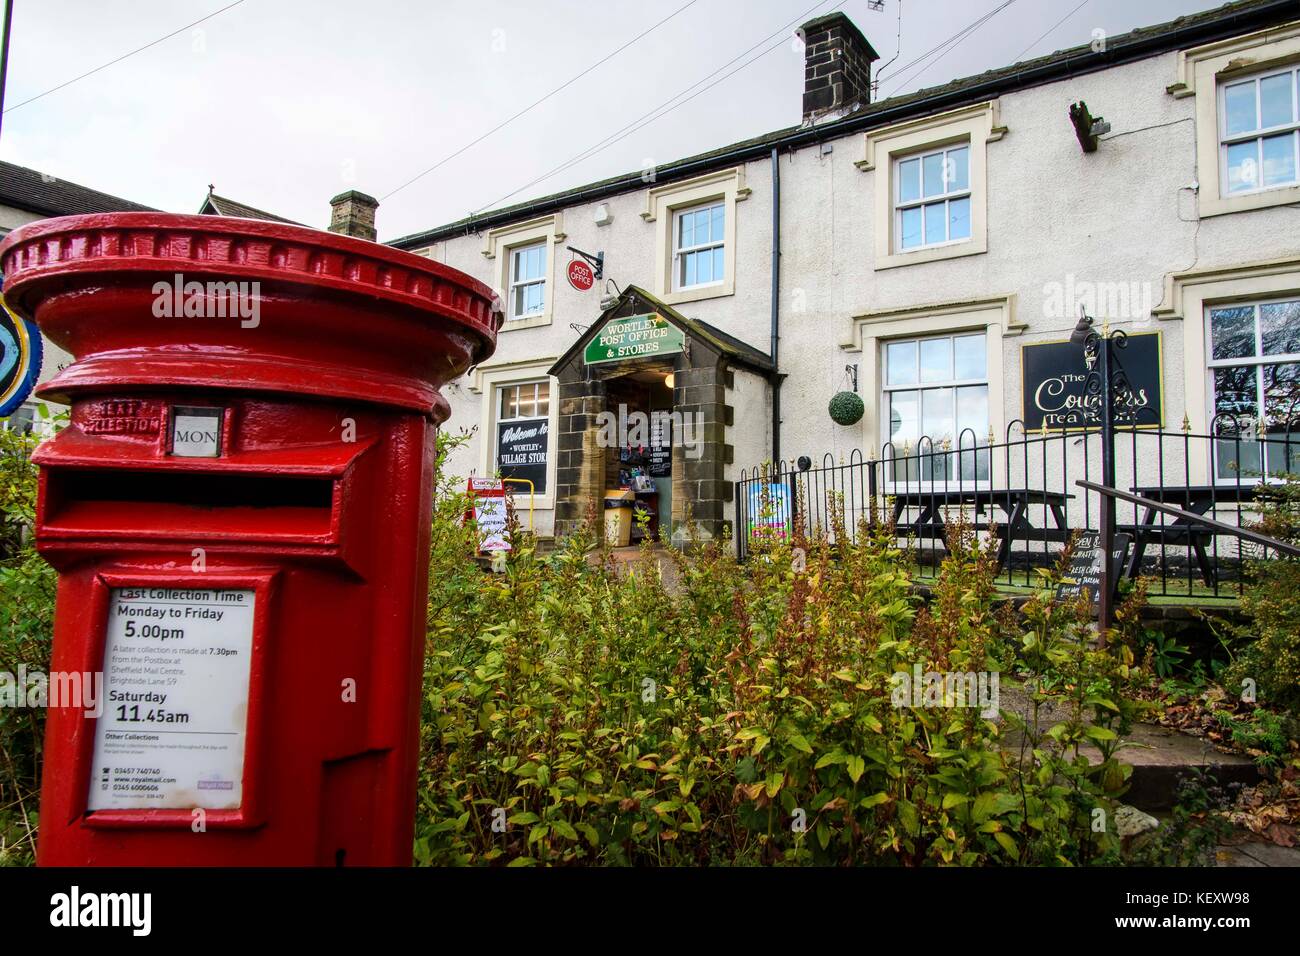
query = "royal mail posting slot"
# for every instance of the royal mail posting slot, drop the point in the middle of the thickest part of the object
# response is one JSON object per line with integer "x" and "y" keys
{"x": 239, "y": 514}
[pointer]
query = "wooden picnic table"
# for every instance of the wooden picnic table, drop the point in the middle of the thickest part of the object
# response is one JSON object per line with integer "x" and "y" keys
{"x": 1013, "y": 502}
{"x": 1182, "y": 532}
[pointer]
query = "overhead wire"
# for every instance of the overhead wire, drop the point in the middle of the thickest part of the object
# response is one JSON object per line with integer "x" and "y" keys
{"x": 942, "y": 50}
{"x": 119, "y": 59}
{"x": 540, "y": 100}
{"x": 664, "y": 108}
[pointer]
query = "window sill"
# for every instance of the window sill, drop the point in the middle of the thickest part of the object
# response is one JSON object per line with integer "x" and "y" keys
{"x": 531, "y": 322}
{"x": 541, "y": 503}
{"x": 698, "y": 293}
{"x": 1244, "y": 202}
{"x": 949, "y": 250}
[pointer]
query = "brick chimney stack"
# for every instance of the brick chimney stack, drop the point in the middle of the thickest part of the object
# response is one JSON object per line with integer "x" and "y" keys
{"x": 353, "y": 214}
{"x": 837, "y": 68}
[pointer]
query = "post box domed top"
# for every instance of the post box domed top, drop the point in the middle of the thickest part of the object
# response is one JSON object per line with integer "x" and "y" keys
{"x": 159, "y": 300}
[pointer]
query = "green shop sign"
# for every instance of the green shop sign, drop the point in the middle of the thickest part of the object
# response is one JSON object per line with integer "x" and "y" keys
{"x": 641, "y": 336}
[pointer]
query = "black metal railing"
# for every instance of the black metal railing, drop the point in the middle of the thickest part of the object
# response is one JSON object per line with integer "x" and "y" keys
{"x": 1021, "y": 494}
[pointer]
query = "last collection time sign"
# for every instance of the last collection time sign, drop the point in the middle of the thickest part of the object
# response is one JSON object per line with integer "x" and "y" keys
{"x": 176, "y": 677}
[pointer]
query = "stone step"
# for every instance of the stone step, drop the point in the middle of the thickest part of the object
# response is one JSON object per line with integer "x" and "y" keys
{"x": 1159, "y": 756}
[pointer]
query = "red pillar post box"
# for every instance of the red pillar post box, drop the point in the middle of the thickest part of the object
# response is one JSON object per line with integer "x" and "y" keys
{"x": 239, "y": 514}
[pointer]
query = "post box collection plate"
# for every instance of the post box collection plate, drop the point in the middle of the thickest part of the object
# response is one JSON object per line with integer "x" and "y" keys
{"x": 196, "y": 432}
{"x": 175, "y": 709}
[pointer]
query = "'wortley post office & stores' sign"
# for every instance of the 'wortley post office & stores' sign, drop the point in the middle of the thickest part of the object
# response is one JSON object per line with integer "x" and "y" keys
{"x": 1055, "y": 377}
{"x": 640, "y": 336}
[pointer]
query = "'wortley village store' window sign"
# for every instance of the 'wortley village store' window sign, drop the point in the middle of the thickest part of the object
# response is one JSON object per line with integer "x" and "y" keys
{"x": 522, "y": 450}
{"x": 640, "y": 336}
{"x": 1055, "y": 376}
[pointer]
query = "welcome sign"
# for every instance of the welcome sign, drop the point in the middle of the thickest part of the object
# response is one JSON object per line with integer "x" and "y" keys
{"x": 641, "y": 336}
{"x": 1054, "y": 375}
{"x": 522, "y": 451}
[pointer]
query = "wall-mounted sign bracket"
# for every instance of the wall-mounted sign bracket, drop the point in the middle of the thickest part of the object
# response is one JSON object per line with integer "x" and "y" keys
{"x": 1086, "y": 126}
{"x": 597, "y": 261}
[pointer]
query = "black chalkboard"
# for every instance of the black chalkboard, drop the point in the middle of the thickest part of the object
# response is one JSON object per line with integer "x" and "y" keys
{"x": 661, "y": 445}
{"x": 1053, "y": 377}
{"x": 522, "y": 450}
{"x": 1085, "y": 566}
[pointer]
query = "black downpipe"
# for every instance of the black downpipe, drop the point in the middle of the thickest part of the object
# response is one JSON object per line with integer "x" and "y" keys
{"x": 776, "y": 304}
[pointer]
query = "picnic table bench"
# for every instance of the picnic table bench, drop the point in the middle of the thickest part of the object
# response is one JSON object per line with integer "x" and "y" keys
{"x": 1154, "y": 527}
{"x": 1015, "y": 503}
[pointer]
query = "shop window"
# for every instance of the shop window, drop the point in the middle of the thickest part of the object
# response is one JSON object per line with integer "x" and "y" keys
{"x": 1254, "y": 373}
{"x": 523, "y": 434}
{"x": 1260, "y": 132}
{"x": 528, "y": 281}
{"x": 935, "y": 404}
{"x": 699, "y": 246}
{"x": 932, "y": 198}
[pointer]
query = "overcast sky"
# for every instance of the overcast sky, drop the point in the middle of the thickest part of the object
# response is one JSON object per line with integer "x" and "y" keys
{"x": 285, "y": 103}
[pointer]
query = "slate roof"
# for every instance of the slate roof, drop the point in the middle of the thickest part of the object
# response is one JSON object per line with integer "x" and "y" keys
{"x": 32, "y": 191}
{"x": 214, "y": 205}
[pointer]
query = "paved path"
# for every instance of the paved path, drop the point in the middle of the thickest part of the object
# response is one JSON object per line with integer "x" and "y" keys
{"x": 1256, "y": 853}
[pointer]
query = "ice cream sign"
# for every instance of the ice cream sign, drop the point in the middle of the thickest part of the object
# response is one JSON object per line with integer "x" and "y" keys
{"x": 640, "y": 336}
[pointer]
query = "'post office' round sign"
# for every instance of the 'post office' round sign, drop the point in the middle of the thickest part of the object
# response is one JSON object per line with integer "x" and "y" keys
{"x": 581, "y": 277}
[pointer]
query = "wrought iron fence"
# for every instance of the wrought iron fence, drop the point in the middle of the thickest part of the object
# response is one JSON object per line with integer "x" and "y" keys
{"x": 1021, "y": 494}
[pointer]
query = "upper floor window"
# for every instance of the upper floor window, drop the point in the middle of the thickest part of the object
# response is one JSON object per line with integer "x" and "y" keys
{"x": 528, "y": 280}
{"x": 695, "y": 225}
{"x": 1259, "y": 132}
{"x": 932, "y": 204}
{"x": 699, "y": 246}
{"x": 522, "y": 263}
{"x": 930, "y": 185}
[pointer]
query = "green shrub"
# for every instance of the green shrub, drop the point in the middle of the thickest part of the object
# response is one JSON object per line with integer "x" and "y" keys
{"x": 27, "y": 586}
{"x": 1270, "y": 654}
{"x": 746, "y": 715}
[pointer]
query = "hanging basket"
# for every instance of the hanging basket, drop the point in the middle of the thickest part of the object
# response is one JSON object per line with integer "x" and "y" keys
{"x": 847, "y": 408}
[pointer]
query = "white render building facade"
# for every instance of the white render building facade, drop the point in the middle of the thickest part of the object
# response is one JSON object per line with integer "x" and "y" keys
{"x": 913, "y": 250}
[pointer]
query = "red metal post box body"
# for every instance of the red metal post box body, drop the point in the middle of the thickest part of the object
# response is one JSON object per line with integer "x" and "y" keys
{"x": 239, "y": 514}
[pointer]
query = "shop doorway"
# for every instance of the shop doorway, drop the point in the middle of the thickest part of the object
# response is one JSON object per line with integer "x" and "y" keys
{"x": 638, "y": 454}
{"x": 642, "y": 355}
